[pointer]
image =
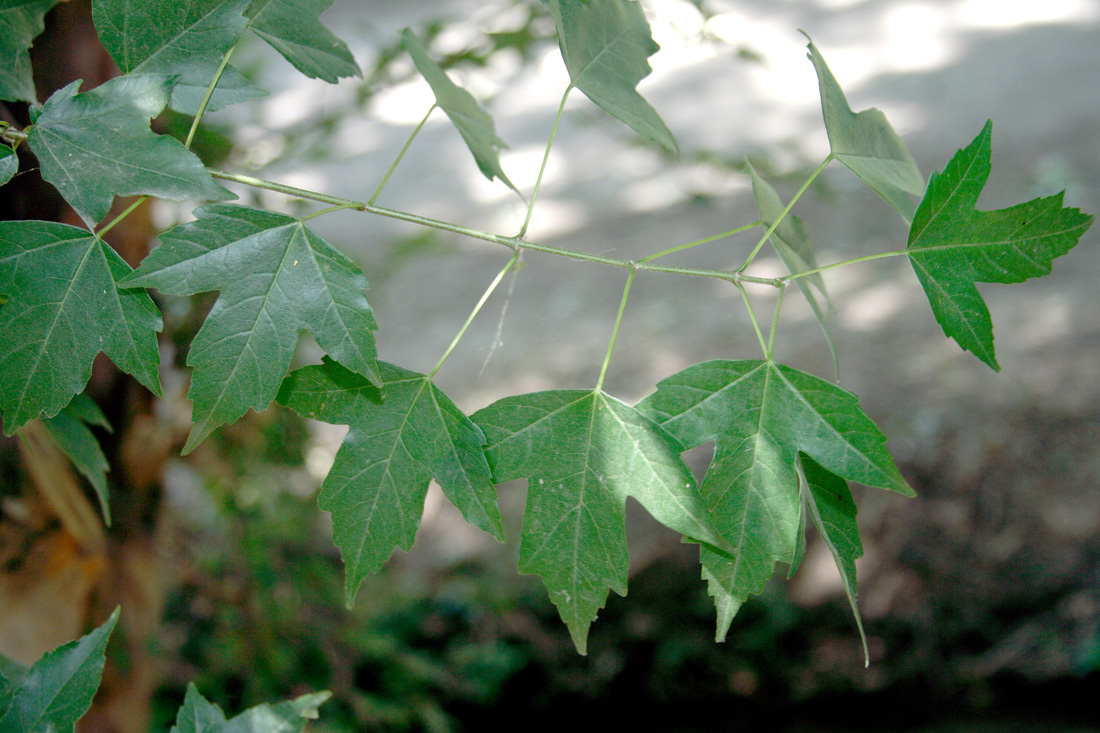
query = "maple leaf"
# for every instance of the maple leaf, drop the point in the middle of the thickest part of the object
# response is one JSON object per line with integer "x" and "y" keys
{"x": 952, "y": 245}
{"x": 20, "y": 24}
{"x": 184, "y": 40}
{"x": 583, "y": 453}
{"x": 57, "y": 689}
{"x": 63, "y": 307}
{"x": 473, "y": 123}
{"x": 402, "y": 434}
{"x": 294, "y": 29}
{"x": 606, "y": 45}
{"x": 276, "y": 276}
{"x": 867, "y": 144}
{"x": 198, "y": 715}
{"x": 96, "y": 145}
{"x": 761, "y": 415}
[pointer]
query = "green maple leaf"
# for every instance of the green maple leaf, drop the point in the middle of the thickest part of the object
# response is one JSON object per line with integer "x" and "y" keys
{"x": 834, "y": 513}
{"x": 69, "y": 429}
{"x": 606, "y": 45}
{"x": 583, "y": 453}
{"x": 294, "y": 29}
{"x": 402, "y": 435}
{"x": 9, "y": 164}
{"x": 198, "y": 715}
{"x": 473, "y": 123}
{"x": 58, "y": 689}
{"x": 952, "y": 245}
{"x": 96, "y": 145}
{"x": 184, "y": 40}
{"x": 792, "y": 242}
{"x": 20, "y": 23}
{"x": 276, "y": 276}
{"x": 867, "y": 144}
{"x": 63, "y": 307}
{"x": 761, "y": 415}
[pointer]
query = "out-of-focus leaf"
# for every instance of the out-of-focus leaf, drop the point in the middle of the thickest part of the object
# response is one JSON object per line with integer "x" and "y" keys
{"x": 606, "y": 45}
{"x": 96, "y": 145}
{"x": 197, "y": 715}
{"x": 9, "y": 164}
{"x": 473, "y": 123}
{"x": 69, "y": 429}
{"x": 184, "y": 40}
{"x": 294, "y": 29}
{"x": 20, "y": 23}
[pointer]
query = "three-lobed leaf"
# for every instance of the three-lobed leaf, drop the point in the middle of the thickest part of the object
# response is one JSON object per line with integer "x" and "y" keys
{"x": 867, "y": 144}
{"x": 402, "y": 434}
{"x": 761, "y": 415}
{"x": 952, "y": 245}
{"x": 70, "y": 430}
{"x": 96, "y": 145}
{"x": 184, "y": 40}
{"x": 583, "y": 453}
{"x": 606, "y": 45}
{"x": 64, "y": 306}
{"x": 20, "y": 23}
{"x": 58, "y": 689}
{"x": 276, "y": 277}
{"x": 198, "y": 715}
{"x": 294, "y": 29}
{"x": 473, "y": 123}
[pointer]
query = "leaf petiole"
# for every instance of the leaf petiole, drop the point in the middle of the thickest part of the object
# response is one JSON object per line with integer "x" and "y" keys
{"x": 206, "y": 97}
{"x": 752, "y": 318}
{"x": 542, "y": 168}
{"x": 786, "y": 210}
{"x": 405, "y": 149}
{"x": 329, "y": 210}
{"x": 473, "y": 314}
{"x": 697, "y": 242}
{"x": 129, "y": 210}
{"x": 853, "y": 261}
{"x": 775, "y": 322}
{"x": 615, "y": 331}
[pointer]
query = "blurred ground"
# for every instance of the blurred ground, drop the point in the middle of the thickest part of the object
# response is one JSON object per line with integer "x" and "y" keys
{"x": 980, "y": 591}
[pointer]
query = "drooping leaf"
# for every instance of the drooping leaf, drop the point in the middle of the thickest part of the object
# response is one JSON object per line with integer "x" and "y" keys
{"x": 606, "y": 45}
{"x": 96, "y": 145}
{"x": 583, "y": 453}
{"x": 867, "y": 144}
{"x": 69, "y": 429}
{"x": 834, "y": 514}
{"x": 197, "y": 715}
{"x": 952, "y": 245}
{"x": 9, "y": 164}
{"x": 792, "y": 243}
{"x": 276, "y": 276}
{"x": 58, "y": 689}
{"x": 64, "y": 307}
{"x": 761, "y": 415}
{"x": 294, "y": 29}
{"x": 184, "y": 40}
{"x": 402, "y": 435}
{"x": 473, "y": 123}
{"x": 20, "y": 23}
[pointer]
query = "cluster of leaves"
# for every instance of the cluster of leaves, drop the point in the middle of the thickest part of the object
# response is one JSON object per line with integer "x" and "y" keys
{"x": 787, "y": 443}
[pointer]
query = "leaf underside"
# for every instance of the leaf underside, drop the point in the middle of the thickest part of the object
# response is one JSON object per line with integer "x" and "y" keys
{"x": 96, "y": 145}
{"x": 293, "y": 28}
{"x": 867, "y": 144}
{"x": 184, "y": 40}
{"x": 606, "y": 47}
{"x": 583, "y": 453}
{"x": 473, "y": 122}
{"x": 64, "y": 307}
{"x": 402, "y": 434}
{"x": 276, "y": 277}
{"x": 761, "y": 415}
{"x": 952, "y": 245}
